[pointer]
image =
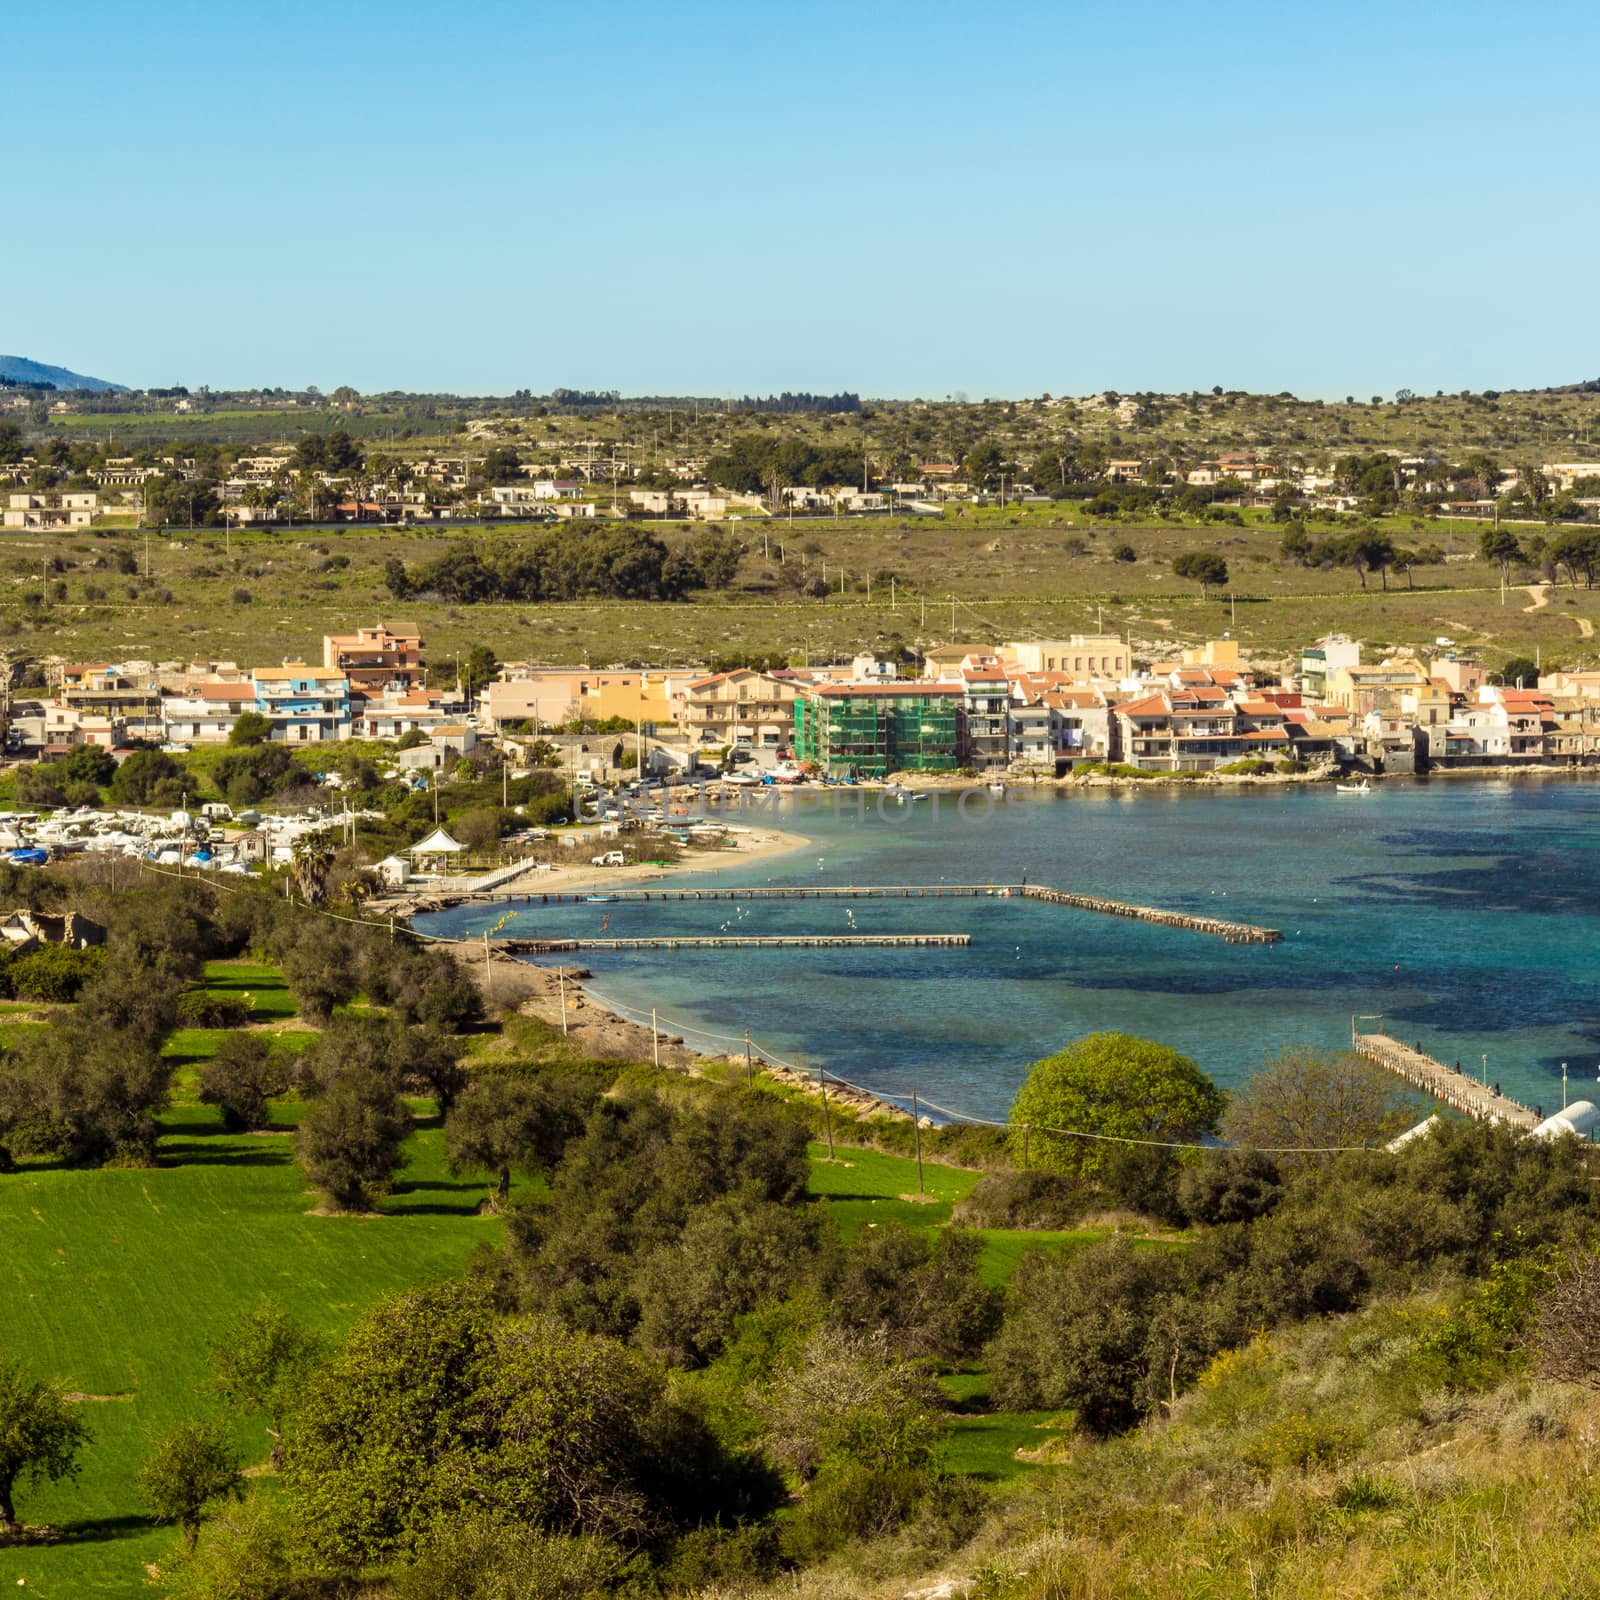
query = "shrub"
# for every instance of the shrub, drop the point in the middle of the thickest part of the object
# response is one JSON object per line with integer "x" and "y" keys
{"x": 197, "y": 1008}
{"x": 1031, "y": 1199}
{"x": 1124, "y": 552}
{"x": 1302, "y": 1442}
{"x": 853, "y": 1503}
{"x": 1229, "y": 1186}
{"x": 54, "y": 973}
{"x": 485, "y": 1557}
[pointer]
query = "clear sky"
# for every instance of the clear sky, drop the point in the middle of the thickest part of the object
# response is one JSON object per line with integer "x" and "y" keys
{"x": 719, "y": 198}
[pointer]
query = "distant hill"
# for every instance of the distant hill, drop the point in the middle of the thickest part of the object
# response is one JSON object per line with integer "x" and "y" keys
{"x": 21, "y": 370}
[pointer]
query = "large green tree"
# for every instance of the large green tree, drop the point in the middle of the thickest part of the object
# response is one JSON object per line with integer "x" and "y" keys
{"x": 1110, "y": 1086}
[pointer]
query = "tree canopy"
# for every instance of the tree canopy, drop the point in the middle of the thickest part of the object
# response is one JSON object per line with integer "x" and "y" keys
{"x": 1115, "y": 1086}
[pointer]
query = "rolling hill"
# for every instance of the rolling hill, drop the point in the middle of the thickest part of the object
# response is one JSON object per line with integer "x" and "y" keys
{"x": 19, "y": 369}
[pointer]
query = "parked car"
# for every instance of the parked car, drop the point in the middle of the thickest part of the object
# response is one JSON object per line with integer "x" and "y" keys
{"x": 612, "y": 858}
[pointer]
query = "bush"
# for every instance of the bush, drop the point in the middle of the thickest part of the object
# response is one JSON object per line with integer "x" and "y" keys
{"x": 483, "y": 1557}
{"x": 1229, "y": 1186}
{"x": 54, "y": 973}
{"x": 197, "y": 1008}
{"x": 1031, "y": 1199}
{"x": 1109, "y": 1331}
{"x": 851, "y": 1504}
{"x": 1124, "y": 552}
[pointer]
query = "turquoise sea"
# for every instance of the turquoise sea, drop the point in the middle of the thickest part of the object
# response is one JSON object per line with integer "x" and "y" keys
{"x": 1465, "y": 912}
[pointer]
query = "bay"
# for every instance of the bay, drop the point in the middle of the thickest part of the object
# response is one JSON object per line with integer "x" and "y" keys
{"x": 1462, "y": 912}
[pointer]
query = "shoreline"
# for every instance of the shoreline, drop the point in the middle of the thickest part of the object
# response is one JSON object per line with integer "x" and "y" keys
{"x": 760, "y": 844}
{"x": 1068, "y": 783}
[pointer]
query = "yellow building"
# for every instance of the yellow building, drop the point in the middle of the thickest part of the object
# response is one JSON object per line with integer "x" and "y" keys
{"x": 555, "y": 696}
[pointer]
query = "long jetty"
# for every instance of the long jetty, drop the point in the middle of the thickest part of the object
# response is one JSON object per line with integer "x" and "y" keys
{"x": 724, "y": 941}
{"x": 1441, "y": 1082}
{"x": 1216, "y": 927}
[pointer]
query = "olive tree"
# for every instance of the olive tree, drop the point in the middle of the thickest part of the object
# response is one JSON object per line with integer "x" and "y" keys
{"x": 350, "y": 1139}
{"x": 40, "y": 1436}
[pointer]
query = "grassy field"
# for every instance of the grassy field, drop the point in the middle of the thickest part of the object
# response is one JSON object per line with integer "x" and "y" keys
{"x": 976, "y": 575}
{"x": 112, "y": 1282}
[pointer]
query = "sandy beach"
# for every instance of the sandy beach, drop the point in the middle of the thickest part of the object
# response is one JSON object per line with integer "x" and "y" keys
{"x": 742, "y": 849}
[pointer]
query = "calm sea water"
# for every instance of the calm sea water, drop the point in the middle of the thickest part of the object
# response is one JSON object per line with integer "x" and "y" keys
{"x": 1464, "y": 912}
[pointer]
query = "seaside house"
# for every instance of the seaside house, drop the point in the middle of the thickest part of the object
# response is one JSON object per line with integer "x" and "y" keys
{"x": 742, "y": 707}
{"x": 551, "y": 697}
{"x": 985, "y": 704}
{"x": 1326, "y": 656}
{"x": 305, "y": 704}
{"x": 205, "y": 712}
{"x": 376, "y": 658}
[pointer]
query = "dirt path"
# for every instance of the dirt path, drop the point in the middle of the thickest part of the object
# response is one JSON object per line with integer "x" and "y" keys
{"x": 1540, "y": 594}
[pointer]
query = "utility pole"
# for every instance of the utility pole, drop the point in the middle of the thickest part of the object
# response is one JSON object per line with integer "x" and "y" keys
{"x": 561, "y": 981}
{"x": 916, "y": 1127}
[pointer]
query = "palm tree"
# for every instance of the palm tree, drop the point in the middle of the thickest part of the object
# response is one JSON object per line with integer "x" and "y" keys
{"x": 310, "y": 861}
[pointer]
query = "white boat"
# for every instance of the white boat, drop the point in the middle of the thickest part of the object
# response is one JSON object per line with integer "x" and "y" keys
{"x": 1354, "y": 788}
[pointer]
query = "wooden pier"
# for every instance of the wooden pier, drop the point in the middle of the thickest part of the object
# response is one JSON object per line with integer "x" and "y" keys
{"x": 725, "y": 941}
{"x": 1216, "y": 927}
{"x": 1444, "y": 1083}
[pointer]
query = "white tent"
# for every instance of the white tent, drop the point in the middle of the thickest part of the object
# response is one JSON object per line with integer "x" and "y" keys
{"x": 438, "y": 843}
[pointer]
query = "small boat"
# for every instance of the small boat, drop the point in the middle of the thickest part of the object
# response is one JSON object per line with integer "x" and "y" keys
{"x": 1353, "y": 788}
{"x": 601, "y": 899}
{"x": 997, "y": 787}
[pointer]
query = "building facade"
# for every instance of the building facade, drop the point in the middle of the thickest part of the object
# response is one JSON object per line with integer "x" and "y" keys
{"x": 867, "y": 731}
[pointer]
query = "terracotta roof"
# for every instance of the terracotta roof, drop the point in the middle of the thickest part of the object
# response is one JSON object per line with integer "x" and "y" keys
{"x": 1154, "y": 705}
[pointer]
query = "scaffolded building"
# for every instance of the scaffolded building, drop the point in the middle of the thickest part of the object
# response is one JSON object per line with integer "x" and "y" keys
{"x": 867, "y": 731}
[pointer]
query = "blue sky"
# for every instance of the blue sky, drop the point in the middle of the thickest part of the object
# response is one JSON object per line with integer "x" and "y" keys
{"x": 713, "y": 198}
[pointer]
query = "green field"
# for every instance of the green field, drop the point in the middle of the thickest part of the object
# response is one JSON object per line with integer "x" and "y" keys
{"x": 113, "y": 1280}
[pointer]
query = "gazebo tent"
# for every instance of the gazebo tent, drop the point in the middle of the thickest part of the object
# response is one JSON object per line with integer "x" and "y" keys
{"x": 438, "y": 843}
